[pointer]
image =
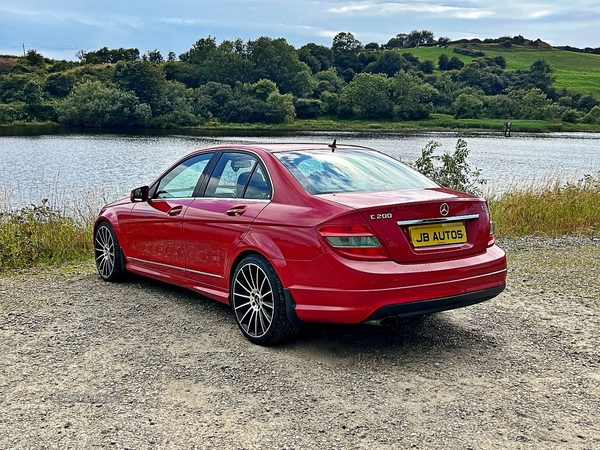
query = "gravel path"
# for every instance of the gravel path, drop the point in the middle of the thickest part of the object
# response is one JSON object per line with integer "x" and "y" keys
{"x": 143, "y": 365}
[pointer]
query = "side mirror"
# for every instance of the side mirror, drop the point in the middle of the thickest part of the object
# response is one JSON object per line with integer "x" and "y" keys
{"x": 139, "y": 194}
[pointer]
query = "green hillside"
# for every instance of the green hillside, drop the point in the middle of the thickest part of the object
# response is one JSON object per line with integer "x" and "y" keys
{"x": 578, "y": 72}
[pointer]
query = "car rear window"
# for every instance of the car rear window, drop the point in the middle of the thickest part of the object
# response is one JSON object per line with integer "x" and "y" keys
{"x": 345, "y": 170}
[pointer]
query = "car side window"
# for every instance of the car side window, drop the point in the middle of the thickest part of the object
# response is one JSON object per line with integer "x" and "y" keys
{"x": 182, "y": 180}
{"x": 231, "y": 174}
{"x": 258, "y": 187}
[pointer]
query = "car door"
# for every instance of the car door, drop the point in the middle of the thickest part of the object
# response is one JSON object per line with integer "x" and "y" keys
{"x": 155, "y": 227}
{"x": 238, "y": 189}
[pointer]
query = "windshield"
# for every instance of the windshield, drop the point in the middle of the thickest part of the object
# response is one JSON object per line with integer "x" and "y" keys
{"x": 350, "y": 170}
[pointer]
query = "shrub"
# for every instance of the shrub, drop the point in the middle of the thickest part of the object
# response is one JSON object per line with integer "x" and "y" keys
{"x": 450, "y": 170}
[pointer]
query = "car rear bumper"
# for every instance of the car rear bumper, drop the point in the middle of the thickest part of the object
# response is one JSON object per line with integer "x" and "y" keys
{"x": 412, "y": 309}
{"x": 336, "y": 290}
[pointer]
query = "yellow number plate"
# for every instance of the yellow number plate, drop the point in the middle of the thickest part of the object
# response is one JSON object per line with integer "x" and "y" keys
{"x": 438, "y": 234}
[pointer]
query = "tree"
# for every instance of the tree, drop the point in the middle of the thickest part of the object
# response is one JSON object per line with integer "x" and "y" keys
{"x": 80, "y": 55}
{"x": 203, "y": 50}
{"x": 427, "y": 66}
{"x": 34, "y": 59}
{"x": 280, "y": 108}
{"x": 345, "y": 43}
{"x": 60, "y": 84}
{"x": 455, "y": 63}
{"x": 400, "y": 41}
{"x": 155, "y": 56}
{"x": 264, "y": 88}
{"x": 91, "y": 104}
{"x": 388, "y": 63}
{"x": 145, "y": 79}
{"x": 467, "y": 106}
{"x": 443, "y": 61}
{"x": 176, "y": 107}
{"x": 366, "y": 97}
{"x": 593, "y": 116}
{"x": 278, "y": 61}
{"x": 33, "y": 94}
{"x": 345, "y": 50}
{"x": 317, "y": 57}
{"x": 416, "y": 38}
{"x": 211, "y": 99}
{"x": 412, "y": 98}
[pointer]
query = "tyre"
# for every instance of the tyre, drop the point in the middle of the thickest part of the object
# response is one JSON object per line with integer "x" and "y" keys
{"x": 258, "y": 302}
{"x": 108, "y": 253}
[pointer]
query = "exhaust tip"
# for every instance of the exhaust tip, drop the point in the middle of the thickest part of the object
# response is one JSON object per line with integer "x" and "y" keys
{"x": 386, "y": 321}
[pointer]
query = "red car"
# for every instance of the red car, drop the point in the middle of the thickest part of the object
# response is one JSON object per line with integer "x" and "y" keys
{"x": 294, "y": 233}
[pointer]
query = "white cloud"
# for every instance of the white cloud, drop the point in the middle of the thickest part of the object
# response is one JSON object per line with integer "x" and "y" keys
{"x": 384, "y": 9}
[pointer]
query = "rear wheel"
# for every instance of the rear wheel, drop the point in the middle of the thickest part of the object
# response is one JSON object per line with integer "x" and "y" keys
{"x": 258, "y": 302}
{"x": 107, "y": 253}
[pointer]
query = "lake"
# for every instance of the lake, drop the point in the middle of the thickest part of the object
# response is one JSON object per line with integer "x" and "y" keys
{"x": 63, "y": 167}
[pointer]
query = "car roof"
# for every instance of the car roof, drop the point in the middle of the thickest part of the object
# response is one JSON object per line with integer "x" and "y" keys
{"x": 277, "y": 147}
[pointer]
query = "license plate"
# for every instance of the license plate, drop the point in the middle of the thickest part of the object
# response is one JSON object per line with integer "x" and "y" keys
{"x": 438, "y": 234}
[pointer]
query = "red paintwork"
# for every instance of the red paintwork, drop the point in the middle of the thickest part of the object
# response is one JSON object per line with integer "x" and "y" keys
{"x": 200, "y": 247}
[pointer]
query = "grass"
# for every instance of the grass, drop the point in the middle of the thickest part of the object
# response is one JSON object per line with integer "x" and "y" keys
{"x": 434, "y": 123}
{"x": 549, "y": 207}
{"x": 42, "y": 234}
{"x": 579, "y": 72}
{"x": 45, "y": 234}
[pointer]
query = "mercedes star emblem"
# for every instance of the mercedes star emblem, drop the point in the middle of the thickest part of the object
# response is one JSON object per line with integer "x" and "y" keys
{"x": 444, "y": 209}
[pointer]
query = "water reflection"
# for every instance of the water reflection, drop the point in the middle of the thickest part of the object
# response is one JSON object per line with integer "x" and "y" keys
{"x": 63, "y": 166}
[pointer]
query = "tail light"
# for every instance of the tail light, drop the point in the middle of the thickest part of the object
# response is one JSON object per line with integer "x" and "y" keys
{"x": 491, "y": 237}
{"x": 354, "y": 242}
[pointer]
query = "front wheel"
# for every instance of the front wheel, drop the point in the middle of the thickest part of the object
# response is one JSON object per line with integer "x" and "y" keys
{"x": 107, "y": 253}
{"x": 258, "y": 302}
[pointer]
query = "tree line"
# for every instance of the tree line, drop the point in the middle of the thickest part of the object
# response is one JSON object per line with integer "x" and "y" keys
{"x": 268, "y": 80}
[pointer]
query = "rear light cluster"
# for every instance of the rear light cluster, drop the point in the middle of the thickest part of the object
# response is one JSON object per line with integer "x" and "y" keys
{"x": 491, "y": 237}
{"x": 354, "y": 242}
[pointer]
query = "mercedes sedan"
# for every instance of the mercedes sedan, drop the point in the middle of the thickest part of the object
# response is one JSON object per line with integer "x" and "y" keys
{"x": 294, "y": 233}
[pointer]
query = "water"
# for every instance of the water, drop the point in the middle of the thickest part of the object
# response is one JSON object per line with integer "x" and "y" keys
{"x": 65, "y": 167}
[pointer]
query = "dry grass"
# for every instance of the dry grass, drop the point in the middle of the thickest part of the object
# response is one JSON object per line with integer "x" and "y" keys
{"x": 49, "y": 233}
{"x": 56, "y": 230}
{"x": 549, "y": 207}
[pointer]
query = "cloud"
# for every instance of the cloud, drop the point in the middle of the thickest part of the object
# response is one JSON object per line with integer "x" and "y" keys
{"x": 466, "y": 9}
{"x": 391, "y": 8}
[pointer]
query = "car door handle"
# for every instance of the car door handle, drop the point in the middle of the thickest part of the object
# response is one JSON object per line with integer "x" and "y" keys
{"x": 175, "y": 210}
{"x": 236, "y": 210}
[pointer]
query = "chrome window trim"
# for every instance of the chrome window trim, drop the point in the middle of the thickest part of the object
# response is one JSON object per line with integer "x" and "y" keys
{"x": 404, "y": 223}
{"x": 172, "y": 267}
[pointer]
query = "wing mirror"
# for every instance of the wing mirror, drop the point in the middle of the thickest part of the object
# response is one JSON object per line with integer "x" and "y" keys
{"x": 139, "y": 194}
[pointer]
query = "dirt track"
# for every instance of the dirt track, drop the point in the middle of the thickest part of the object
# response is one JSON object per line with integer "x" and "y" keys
{"x": 86, "y": 364}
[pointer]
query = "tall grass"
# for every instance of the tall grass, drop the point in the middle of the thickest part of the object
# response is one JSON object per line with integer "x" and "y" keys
{"x": 549, "y": 207}
{"x": 47, "y": 232}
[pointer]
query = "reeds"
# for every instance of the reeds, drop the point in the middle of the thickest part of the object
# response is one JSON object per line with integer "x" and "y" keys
{"x": 549, "y": 207}
{"x": 56, "y": 230}
{"x": 50, "y": 233}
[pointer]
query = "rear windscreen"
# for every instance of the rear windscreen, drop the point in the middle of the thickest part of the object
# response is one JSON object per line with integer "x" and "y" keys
{"x": 345, "y": 170}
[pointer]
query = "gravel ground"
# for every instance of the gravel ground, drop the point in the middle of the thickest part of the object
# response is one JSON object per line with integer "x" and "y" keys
{"x": 143, "y": 365}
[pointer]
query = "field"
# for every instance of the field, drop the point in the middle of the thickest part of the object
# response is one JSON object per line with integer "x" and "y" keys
{"x": 579, "y": 72}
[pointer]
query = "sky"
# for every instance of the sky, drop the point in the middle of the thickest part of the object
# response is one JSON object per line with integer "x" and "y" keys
{"x": 59, "y": 28}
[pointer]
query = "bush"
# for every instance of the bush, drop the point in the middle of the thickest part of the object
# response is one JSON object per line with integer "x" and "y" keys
{"x": 570, "y": 116}
{"x": 450, "y": 170}
{"x": 593, "y": 116}
{"x": 91, "y": 104}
